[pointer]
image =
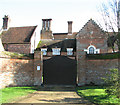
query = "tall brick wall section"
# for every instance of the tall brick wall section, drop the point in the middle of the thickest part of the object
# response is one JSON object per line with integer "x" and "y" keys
{"x": 16, "y": 72}
{"x": 20, "y": 48}
{"x": 97, "y": 69}
{"x": 38, "y": 61}
{"x": 92, "y": 71}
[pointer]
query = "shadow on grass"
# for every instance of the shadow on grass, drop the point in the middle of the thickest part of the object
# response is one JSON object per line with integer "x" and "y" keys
{"x": 45, "y": 88}
{"x": 97, "y": 98}
{"x": 90, "y": 87}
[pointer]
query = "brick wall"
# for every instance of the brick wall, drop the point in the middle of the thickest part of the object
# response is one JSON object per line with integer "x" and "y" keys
{"x": 21, "y": 72}
{"x": 46, "y": 34}
{"x": 92, "y": 71}
{"x": 97, "y": 69}
{"x": 20, "y": 48}
{"x": 16, "y": 72}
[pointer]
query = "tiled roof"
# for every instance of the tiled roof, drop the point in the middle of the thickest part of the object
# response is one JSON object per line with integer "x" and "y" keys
{"x": 18, "y": 34}
{"x": 61, "y": 36}
{"x": 63, "y": 44}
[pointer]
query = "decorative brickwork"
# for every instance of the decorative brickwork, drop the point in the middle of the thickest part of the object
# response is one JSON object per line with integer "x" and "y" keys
{"x": 91, "y": 71}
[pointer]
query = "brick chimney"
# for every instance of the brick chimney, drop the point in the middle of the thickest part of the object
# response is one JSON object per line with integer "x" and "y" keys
{"x": 6, "y": 21}
{"x": 46, "y": 24}
{"x": 70, "y": 27}
{"x": 46, "y": 32}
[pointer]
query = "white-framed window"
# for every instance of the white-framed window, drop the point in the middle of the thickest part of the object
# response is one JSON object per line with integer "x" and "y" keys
{"x": 92, "y": 50}
{"x": 69, "y": 51}
{"x": 56, "y": 51}
{"x": 44, "y": 50}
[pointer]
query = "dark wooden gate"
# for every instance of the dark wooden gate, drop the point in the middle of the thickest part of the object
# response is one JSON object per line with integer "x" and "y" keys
{"x": 59, "y": 70}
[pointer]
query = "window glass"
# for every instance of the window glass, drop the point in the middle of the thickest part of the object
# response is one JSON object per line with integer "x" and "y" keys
{"x": 56, "y": 51}
{"x": 44, "y": 51}
{"x": 69, "y": 51}
{"x": 91, "y": 50}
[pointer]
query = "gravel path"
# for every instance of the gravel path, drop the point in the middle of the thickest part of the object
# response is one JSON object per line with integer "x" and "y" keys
{"x": 55, "y": 97}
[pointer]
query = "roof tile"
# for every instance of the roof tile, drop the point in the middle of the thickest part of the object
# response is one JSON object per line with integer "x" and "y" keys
{"x": 18, "y": 34}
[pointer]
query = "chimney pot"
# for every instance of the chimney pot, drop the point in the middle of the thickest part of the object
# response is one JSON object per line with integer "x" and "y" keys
{"x": 70, "y": 27}
{"x": 6, "y": 21}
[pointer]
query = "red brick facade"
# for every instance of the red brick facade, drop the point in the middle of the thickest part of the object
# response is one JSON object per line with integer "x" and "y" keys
{"x": 91, "y": 71}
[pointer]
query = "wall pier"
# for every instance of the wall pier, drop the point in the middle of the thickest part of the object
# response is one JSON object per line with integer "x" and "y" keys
{"x": 38, "y": 68}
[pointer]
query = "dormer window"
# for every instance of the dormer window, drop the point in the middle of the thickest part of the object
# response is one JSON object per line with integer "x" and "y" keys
{"x": 92, "y": 50}
{"x": 44, "y": 50}
{"x": 69, "y": 51}
{"x": 56, "y": 51}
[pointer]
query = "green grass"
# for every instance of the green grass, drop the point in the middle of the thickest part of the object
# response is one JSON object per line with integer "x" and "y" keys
{"x": 10, "y": 94}
{"x": 96, "y": 94}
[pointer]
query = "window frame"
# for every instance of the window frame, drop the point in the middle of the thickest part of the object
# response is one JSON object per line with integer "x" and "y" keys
{"x": 96, "y": 51}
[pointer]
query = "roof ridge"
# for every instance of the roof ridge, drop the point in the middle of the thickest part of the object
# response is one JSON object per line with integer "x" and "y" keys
{"x": 24, "y": 26}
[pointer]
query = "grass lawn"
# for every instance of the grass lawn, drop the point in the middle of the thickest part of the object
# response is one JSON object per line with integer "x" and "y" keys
{"x": 96, "y": 94}
{"x": 12, "y": 93}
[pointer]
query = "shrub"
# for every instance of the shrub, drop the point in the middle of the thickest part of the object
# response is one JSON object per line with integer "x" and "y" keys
{"x": 113, "y": 83}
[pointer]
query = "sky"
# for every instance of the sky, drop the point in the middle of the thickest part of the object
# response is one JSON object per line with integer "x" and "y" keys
{"x": 31, "y": 12}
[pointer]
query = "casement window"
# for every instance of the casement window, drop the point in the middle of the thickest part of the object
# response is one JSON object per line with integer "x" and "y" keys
{"x": 56, "y": 51}
{"x": 92, "y": 50}
{"x": 69, "y": 51}
{"x": 44, "y": 50}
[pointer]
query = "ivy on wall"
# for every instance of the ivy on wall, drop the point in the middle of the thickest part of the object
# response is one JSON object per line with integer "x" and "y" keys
{"x": 103, "y": 56}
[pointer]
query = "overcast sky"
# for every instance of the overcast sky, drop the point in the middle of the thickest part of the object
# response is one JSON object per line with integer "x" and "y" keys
{"x": 31, "y": 12}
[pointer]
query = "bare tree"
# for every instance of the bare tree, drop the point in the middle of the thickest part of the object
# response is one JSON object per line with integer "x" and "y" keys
{"x": 110, "y": 12}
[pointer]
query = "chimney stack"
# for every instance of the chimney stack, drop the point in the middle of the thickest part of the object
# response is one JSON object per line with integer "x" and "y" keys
{"x": 70, "y": 27}
{"x": 46, "y": 32}
{"x": 46, "y": 24}
{"x": 6, "y": 21}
